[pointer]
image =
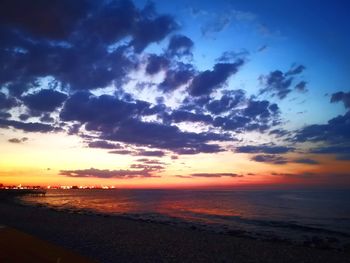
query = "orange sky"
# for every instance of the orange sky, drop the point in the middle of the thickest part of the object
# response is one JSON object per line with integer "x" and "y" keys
{"x": 39, "y": 160}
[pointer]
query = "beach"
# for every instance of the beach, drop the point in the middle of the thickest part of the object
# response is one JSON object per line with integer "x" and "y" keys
{"x": 105, "y": 238}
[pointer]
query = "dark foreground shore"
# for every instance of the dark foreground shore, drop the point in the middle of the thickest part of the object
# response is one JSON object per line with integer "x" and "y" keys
{"x": 113, "y": 239}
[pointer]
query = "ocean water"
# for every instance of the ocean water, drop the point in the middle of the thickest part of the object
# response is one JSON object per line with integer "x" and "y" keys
{"x": 314, "y": 217}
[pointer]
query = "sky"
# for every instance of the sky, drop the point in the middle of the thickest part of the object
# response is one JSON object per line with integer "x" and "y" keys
{"x": 163, "y": 94}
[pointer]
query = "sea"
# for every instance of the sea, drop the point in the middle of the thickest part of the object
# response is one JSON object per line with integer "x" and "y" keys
{"x": 319, "y": 218}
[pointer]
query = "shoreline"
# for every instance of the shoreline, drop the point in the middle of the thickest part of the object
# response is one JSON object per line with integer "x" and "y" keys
{"x": 312, "y": 236}
{"x": 115, "y": 238}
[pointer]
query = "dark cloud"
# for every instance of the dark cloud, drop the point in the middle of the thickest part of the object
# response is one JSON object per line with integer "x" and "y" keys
{"x": 45, "y": 100}
{"x": 78, "y": 44}
{"x": 47, "y": 118}
{"x": 100, "y": 112}
{"x": 148, "y": 167}
{"x": 232, "y": 112}
{"x": 270, "y": 158}
{"x": 301, "y": 86}
{"x": 337, "y": 130}
{"x": 279, "y": 132}
{"x": 5, "y": 115}
{"x": 150, "y": 153}
{"x": 215, "y": 175}
{"x": 227, "y": 102}
{"x": 343, "y": 157}
{"x": 262, "y": 48}
{"x": 343, "y": 97}
{"x": 55, "y": 19}
{"x": 331, "y": 149}
{"x": 174, "y": 78}
{"x": 306, "y": 161}
{"x": 279, "y": 84}
{"x": 150, "y": 30}
{"x": 156, "y": 63}
{"x": 157, "y": 135}
{"x": 264, "y": 149}
{"x": 97, "y": 173}
{"x": 123, "y": 152}
{"x": 180, "y": 45}
{"x": 296, "y": 70}
{"x": 208, "y": 81}
{"x": 104, "y": 145}
{"x": 342, "y": 151}
{"x": 257, "y": 115}
{"x": 304, "y": 175}
{"x": 209, "y": 175}
{"x": 6, "y": 102}
{"x": 150, "y": 161}
{"x": 201, "y": 148}
{"x": 27, "y": 126}
{"x": 18, "y": 140}
{"x": 24, "y": 117}
{"x": 185, "y": 116}
{"x": 261, "y": 109}
{"x": 229, "y": 56}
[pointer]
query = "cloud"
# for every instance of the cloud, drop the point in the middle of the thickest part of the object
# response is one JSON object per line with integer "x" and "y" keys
{"x": 227, "y": 102}
{"x": 219, "y": 22}
{"x": 301, "y": 86}
{"x": 279, "y": 132}
{"x": 182, "y": 116}
{"x": 104, "y": 145}
{"x": 18, "y": 140}
{"x": 209, "y": 175}
{"x": 262, "y": 48}
{"x": 7, "y": 103}
{"x": 156, "y": 153}
{"x": 59, "y": 18}
{"x": 215, "y": 175}
{"x": 100, "y": 112}
{"x": 337, "y": 130}
{"x": 229, "y": 56}
{"x": 45, "y": 100}
{"x": 150, "y": 161}
{"x": 152, "y": 30}
{"x": 279, "y": 84}
{"x": 162, "y": 136}
{"x": 80, "y": 46}
{"x": 180, "y": 45}
{"x": 97, "y": 173}
{"x": 175, "y": 78}
{"x": 47, "y": 118}
{"x": 208, "y": 81}
{"x": 148, "y": 167}
{"x": 28, "y": 126}
{"x": 5, "y": 115}
{"x": 123, "y": 152}
{"x": 341, "y": 151}
{"x": 295, "y": 70}
{"x": 341, "y": 97}
{"x": 264, "y": 149}
{"x": 306, "y": 161}
{"x": 156, "y": 63}
{"x": 270, "y": 158}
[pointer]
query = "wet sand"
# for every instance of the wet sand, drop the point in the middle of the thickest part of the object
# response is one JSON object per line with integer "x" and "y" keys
{"x": 114, "y": 239}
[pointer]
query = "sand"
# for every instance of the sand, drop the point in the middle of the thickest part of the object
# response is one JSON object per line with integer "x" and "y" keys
{"x": 115, "y": 239}
{"x": 19, "y": 247}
